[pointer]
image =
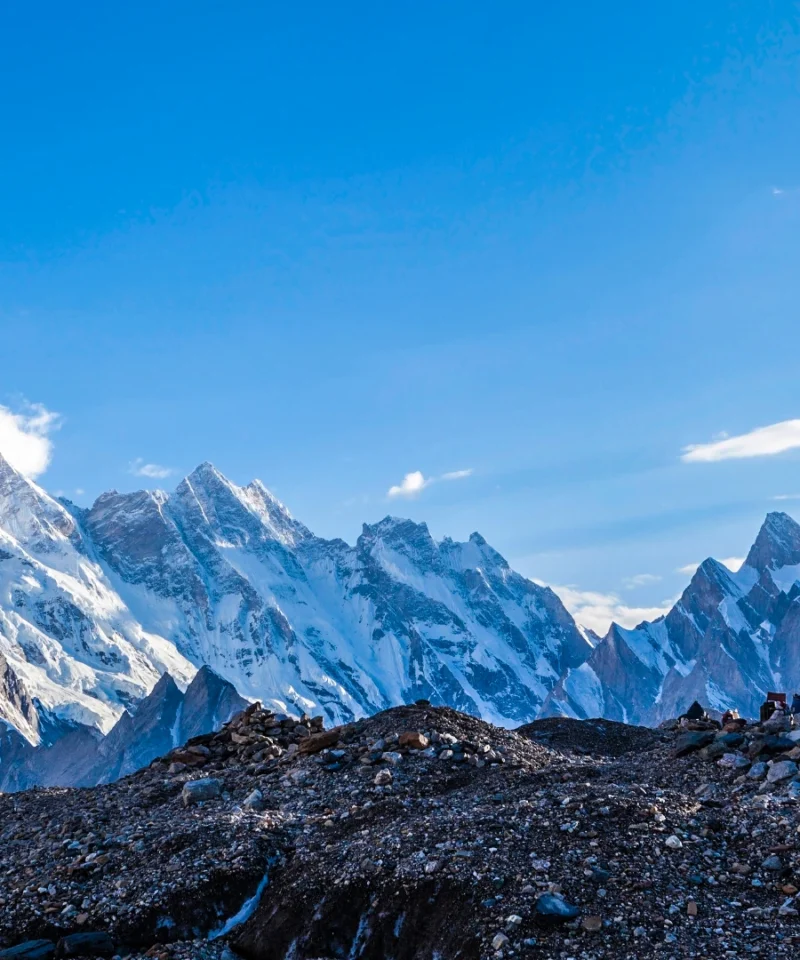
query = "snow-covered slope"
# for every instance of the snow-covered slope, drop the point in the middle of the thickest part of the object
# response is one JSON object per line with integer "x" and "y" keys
{"x": 729, "y": 639}
{"x": 95, "y": 605}
{"x": 66, "y": 636}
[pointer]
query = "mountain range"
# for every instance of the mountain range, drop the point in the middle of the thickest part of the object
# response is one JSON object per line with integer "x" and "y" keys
{"x": 108, "y": 613}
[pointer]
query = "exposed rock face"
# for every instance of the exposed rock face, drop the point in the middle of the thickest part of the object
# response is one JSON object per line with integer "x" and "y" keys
{"x": 80, "y": 755}
{"x": 96, "y": 605}
{"x": 729, "y": 639}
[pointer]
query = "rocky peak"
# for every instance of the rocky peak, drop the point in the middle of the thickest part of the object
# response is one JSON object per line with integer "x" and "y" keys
{"x": 209, "y": 701}
{"x": 407, "y": 537}
{"x": 236, "y": 515}
{"x": 16, "y": 706}
{"x": 28, "y": 513}
{"x": 777, "y": 544}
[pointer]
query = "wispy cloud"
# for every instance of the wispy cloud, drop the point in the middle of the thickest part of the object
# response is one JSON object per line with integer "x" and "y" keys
{"x": 762, "y": 442}
{"x": 732, "y": 563}
{"x": 457, "y": 475}
{"x": 787, "y": 496}
{"x": 598, "y": 611}
{"x": 640, "y": 580}
{"x": 415, "y": 482}
{"x": 25, "y": 437}
{"x": 153, "y": 471}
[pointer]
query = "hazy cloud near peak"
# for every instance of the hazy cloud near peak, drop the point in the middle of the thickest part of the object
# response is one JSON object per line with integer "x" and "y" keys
{"x": 640, "y": 580}
{"x": 598, "y": 611}
{"x": 25, "y": 437}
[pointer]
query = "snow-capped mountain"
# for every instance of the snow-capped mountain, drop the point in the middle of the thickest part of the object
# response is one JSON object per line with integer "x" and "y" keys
{"x": 96, "y": 605}
{"x": 729, "y": 639}
{"x": 68, "y": 642}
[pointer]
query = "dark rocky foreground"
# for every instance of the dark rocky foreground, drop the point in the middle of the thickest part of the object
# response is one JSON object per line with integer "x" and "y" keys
{"x": 418, "y": 833}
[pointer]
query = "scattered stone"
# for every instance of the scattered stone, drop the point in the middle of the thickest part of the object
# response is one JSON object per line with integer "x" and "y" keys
{"x": 254, "y": 800}
{"x": 553, "y": 909}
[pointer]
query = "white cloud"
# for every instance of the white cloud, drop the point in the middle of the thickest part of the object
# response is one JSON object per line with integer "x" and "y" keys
{"x": 457, "y": 475}
{"x": 415, "y": 482}
{"x": 25, "y": 440}
{"x": 787, "y": 496}
{"x": 598, "y": 610}
{"x": 762, "y": 442}
{"x": 732, "y": 563}
{"x": 640, "y": 580}
{"x": 154, "y": 471}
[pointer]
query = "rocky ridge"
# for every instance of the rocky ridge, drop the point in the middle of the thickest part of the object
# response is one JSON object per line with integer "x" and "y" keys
{"x": 419, "y": 832}
{"x": 730, "y": 638}
{"x": 81, "y": 756}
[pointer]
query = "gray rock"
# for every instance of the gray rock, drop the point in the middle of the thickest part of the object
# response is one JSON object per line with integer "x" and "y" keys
{"x": 196, "y": 791}
{"x": 773, "y": 864}
{"x": 782, "y": 770}
{"x": 758, "y": 771}
{"x": 551, "y": 909}
{"x": 254, "y": 801}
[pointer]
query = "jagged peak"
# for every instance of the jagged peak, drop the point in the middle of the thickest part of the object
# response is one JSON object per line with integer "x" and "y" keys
{"x": 777, "y": 544}
{"x": 206, "y": 473}
{"x": 164, "y": 684}
{"x": 399, "y": 527}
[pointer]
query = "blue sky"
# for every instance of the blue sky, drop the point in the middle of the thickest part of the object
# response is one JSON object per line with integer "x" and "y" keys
{"x": 334, "y": 245}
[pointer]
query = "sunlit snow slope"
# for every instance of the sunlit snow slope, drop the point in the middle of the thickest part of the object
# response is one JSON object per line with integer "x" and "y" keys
{"x": 97, "y": 604}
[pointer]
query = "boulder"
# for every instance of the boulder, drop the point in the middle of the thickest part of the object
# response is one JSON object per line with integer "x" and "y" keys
{"x": 413, "y": 740}
{"x": 692, "y": 741}
{"x": 782, "y": 770}
{"x": 197, "y": 791}
{"x": 321, "y": 741}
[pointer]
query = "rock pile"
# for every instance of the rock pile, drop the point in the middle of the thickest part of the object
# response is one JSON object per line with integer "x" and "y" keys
{"x": 416, "y": 832}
